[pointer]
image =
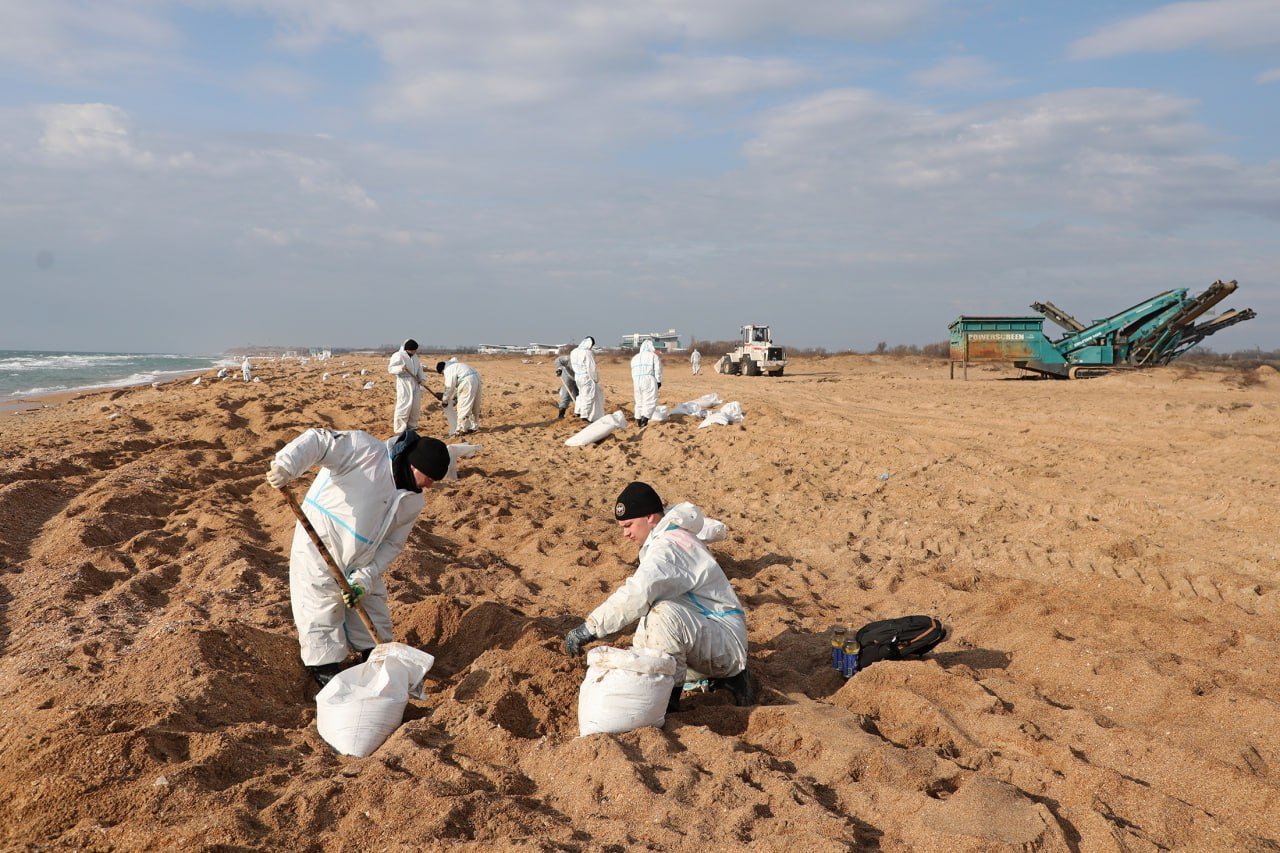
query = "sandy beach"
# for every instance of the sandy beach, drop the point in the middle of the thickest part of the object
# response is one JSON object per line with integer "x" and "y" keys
{"x": 1103, "y": 551}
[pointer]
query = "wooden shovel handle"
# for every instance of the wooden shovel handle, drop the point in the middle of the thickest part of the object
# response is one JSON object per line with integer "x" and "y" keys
{"x": 330, "y": 562}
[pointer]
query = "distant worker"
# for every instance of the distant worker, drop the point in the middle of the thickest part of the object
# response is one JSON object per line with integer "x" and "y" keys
{"x": 646, "y": 377}
{"x": 461, "y": 387}
{"x": 363, "y": 504}
{"x": 679, "y": 594}
{"x": 410, "y": 380}
{"x": 246, "y": 369}
{"x": 695, "y": 362}
{"x": 590, "y": 405}
{"x": 568, "y": 385}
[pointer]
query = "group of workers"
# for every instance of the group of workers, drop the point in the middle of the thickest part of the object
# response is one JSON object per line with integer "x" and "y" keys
{"x": 369, "y": 493}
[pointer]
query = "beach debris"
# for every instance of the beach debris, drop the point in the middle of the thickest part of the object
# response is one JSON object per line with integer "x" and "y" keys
{"x": 368, "y": 385}
{"x": 113, "y": 416}
{"x": 161, "y": 782}
{"x": 197, "y": 382}
{"x": 598, "y": 430}
{"x": 363, "y": 371}
{"x": 730, "y": 413}
{"x": 324, "y": 377}
{"x": 257, "y": 379}
{"x": 883, "y": 476}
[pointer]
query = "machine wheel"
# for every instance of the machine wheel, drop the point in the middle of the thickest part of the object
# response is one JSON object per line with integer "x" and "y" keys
{"x": 777, "y": 372}
{"x": 750, "y": 368}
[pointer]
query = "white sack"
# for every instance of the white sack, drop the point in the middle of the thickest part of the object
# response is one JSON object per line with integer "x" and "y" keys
{"x": 660, "y": 414}
{"x": 363, "y": 705}
{"x": 451, "y": 417}
{"x": 699, "y": 406}
{"x": 625, "y": 689}
{"x": 730, "y": 413}
{"x": 456, "y": 452}
{"x": 597, "y": 430}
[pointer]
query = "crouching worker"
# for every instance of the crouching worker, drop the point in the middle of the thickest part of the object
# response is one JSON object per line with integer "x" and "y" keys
{"x": 363, "y": 504}
{"x": 679, "y": 594}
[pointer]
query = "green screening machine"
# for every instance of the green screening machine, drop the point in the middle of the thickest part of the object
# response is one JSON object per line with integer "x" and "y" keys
{"x": 1155, "y": 331}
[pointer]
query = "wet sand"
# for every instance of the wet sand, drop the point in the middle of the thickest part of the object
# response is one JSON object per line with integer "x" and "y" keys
{"x": 1103, "y": 551}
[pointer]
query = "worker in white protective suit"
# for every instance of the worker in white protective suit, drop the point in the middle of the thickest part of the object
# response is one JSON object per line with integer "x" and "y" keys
{"x": 646, "y": 377}
{"x": 679, "y": 594}
{"x": 363, "y": 504}
{"x": 568, "y": 384}
{"x": 246, "y": 369}
{"x": 590, "y": 405}
{"x": 462, "y": 389}
{"x": 695, "y": 362}
{"x": 410, "y": 380}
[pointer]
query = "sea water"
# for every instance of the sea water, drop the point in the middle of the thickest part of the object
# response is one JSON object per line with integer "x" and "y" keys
{"x": 24, "y": 373}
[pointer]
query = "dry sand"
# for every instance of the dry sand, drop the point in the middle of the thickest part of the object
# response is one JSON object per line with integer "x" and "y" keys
{"x": 1104, "y": 552}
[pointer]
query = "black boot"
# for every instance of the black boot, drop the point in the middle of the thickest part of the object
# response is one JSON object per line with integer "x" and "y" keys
{"x": 325, "y": 672}
{"x": 644, "y": 422}
{"x": 673, "y": 703}
{"x": 744, "y": 695}
{"x": 561, "y": 415}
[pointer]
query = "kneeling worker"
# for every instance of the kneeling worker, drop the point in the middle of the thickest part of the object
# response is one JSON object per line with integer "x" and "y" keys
{"x": 363, "y": 504}
{"x": 681, "y": 597}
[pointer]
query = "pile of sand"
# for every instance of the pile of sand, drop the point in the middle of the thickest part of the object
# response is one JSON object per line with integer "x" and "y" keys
{"x": 1103, "y": 551}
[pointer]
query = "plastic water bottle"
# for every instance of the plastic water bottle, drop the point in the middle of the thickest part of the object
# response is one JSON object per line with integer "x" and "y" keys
{"x": 849, "y": 662}
{"x": 837, "y": 646}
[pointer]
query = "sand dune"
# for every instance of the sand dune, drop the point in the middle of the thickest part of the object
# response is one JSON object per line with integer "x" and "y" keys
{"x": 1104, "y": 552}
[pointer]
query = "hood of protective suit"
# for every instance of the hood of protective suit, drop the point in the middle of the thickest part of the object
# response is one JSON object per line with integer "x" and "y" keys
{"x": 682, "y": 516}
{"x": 647, "y": 346}
{"x": 588, "y": 342}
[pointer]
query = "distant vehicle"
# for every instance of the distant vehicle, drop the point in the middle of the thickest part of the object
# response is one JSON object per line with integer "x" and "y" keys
{"x": 756, "y": 355}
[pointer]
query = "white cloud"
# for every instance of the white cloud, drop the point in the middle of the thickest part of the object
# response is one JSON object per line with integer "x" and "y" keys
{"x": 1271, "y": 75}
{"x": 1219, "y": 24}
{"x": 961, "y": 73}
{"x": 79, "y": 38}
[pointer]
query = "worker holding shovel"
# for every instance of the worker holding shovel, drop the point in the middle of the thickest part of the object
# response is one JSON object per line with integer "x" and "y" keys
{"x": 361, "y": 507}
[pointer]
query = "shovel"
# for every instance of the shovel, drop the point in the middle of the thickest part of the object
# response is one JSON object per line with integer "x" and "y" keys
{"x": 331, "y": 563}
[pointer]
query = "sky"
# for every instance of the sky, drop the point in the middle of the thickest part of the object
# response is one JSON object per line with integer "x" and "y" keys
{"x": 195, "y": 176}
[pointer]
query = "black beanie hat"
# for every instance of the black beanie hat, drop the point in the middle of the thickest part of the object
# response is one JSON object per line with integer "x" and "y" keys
{"x": 430, "y": 456}
{"x": 439, "y": 367}
{"x": 637, "y": 500}
{"x": 410, "y": 345}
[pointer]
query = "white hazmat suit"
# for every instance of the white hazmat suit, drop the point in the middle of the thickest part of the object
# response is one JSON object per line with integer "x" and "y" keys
{"x": 695, "y": 362}
{"x": 407, "y": 370}
{"x": 363, "y": 519}
{"x": 646, "y": 376}
{"x": 683, "y": 601}
{"x": 590, "y": 405}
{"x": 246, "y": 370}
{"x": 462, "y": 387}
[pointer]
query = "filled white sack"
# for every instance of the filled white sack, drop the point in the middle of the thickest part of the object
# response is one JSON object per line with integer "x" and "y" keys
{"x": 597, "y": 430}
{"x": 363, "y": 705}
{"x": 713, "y": 530}
{"x": 625, "y": 689}
{"x": 699, "y": 406}
{"x": 451, "y": 417}
{"x": 660, "y": 414}
{"x": 456, "y": 452}
{"x": 730, "y": 413}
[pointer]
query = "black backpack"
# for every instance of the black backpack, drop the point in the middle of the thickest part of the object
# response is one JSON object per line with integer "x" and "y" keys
{"x": 895, "y": 639}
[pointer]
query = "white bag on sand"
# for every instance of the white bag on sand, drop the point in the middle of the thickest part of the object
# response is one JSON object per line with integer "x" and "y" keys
{"x": 690, "y": 518}
{"x": 597, "y": 430}
{"x": 660, "y": 414}
{"x": 456, "y": 452}
{"x": 363, "y": 705}
{"x": 699, "y": 406}
{"x": 625, "y": 689}
{"x": 730, "y": 413}
{"x": 451, "y": 417}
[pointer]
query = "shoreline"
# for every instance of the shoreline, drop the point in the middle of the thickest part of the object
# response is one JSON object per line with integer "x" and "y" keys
{"x": 38, "y": 402}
